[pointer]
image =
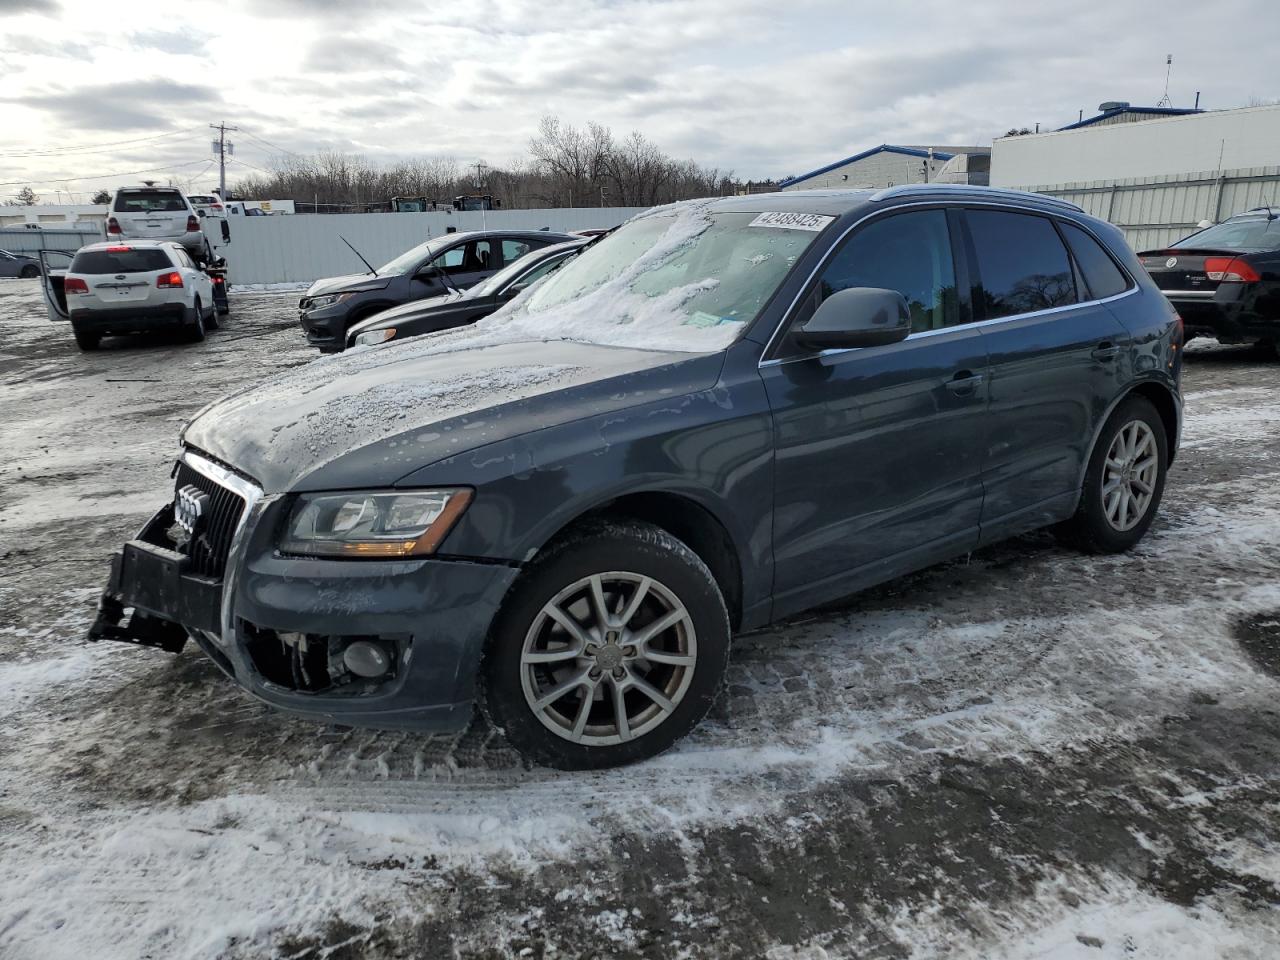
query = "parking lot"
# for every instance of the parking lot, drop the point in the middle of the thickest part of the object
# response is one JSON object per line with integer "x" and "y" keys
{"x": 1027, "y": 753}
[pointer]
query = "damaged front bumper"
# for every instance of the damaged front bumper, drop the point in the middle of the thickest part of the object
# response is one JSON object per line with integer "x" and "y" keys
{"x": 279, "y": 626}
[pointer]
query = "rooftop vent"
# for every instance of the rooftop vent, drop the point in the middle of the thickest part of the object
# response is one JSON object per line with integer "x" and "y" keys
{"x": 1110, "y": 105}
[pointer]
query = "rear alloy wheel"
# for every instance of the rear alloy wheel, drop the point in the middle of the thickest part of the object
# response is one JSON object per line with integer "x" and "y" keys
{"x": 1124, "y": 481}
{"x": 610, "y": 648}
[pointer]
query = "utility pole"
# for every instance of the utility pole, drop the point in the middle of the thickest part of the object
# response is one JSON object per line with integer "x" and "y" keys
{"x": 221, "y": 147}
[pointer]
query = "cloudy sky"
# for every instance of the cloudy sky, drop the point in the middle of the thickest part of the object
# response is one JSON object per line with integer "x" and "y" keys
{"x": 766, "y": 89}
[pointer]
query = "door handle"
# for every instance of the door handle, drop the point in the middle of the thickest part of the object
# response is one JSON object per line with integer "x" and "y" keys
{"x": 964, "y": 383}
{"x": 1105, "y": 352}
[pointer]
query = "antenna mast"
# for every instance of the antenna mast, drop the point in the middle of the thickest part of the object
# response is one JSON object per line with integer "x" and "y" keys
{"x": 1168, "y": 69}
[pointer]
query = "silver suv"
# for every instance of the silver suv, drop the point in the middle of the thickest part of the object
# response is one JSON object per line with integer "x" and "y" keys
{"x": 156, "y": 213}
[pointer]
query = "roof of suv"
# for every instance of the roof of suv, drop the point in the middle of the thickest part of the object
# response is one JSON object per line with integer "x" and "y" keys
{"x": 134, "y": 244}
{"x": 836, "y": 202}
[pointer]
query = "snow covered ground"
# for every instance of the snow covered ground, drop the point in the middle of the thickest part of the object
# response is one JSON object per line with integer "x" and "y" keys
{"x": 1028, "y": 754}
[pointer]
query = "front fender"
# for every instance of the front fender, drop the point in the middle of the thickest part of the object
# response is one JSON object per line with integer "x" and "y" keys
{"x": 712, "y": 447}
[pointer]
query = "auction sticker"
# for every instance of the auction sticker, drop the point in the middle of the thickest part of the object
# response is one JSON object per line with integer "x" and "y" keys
{"x": 792, "y": 221}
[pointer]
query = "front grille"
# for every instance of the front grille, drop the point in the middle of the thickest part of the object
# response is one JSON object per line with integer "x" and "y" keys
{"x": 208, "y": 550}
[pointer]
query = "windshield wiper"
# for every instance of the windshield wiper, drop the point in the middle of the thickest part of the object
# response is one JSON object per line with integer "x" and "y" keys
{"x": 358, "y": 254}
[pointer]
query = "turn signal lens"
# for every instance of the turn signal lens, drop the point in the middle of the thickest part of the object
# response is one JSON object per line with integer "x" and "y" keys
{"x": 1230, "y": 270}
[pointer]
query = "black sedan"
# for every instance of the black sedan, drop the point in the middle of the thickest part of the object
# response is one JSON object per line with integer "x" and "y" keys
{"x": 461, "y": 307}
{"x": 1225, "y": 280}
{"x": 18, "y": 265}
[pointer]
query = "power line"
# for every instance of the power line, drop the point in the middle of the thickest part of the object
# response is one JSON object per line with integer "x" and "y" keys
{"x": 268, "y": 143}
{"x": 90, "y": 148}
{"x": 99, "y": 176}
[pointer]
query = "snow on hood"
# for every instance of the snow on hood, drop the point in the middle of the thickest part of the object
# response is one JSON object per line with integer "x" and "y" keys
{"x": 352, "y": 281}
{"x": 370, "y": 416}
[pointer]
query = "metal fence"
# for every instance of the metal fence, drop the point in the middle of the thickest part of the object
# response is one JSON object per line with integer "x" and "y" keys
{"x": 1155, "y": 211}
{"x": 305, "y": 247}
{"x": 67, "y": 239}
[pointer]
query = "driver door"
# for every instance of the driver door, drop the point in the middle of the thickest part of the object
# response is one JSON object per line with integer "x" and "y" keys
{"x": 878, "y": 451}
{"x": 53, "y": 269}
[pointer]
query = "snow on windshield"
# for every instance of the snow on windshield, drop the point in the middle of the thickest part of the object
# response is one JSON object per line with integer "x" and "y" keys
{"x": 679, "y": 278}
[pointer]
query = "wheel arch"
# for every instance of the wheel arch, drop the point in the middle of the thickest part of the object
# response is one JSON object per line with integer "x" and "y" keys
{"x": 688, "y": 520}
{"x": 1161, "y": 397}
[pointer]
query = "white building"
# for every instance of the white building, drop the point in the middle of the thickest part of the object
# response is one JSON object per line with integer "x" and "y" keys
{"x": 1156, "y": 178}
{"x": 60, "y": 215}
{"x": 887, "y": 165}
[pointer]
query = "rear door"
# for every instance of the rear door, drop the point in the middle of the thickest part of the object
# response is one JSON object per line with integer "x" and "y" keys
{"x": 1057, "y": 358}
{"x": 122, "y": 276}
{"x": 151, "y": 213}
{"x": 53, "y": 269}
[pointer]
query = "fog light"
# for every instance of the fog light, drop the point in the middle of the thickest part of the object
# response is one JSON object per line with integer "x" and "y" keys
{"x": 366, "y": 659}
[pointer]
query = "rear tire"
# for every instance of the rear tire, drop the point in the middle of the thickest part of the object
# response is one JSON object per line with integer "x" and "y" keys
{"x": 1124, "y": 482}
{"x": 29, "y": 272}
{"x": 580, "y": 620}
{"x": 195, "y": 329}
{"x": 88, "y": 341}
{"x": 211, "y": 321}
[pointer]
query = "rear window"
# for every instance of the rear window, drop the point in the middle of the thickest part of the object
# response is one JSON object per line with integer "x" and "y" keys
{"x": 150, "y": 201}
{"x": 1101, "y": 274}
{"x": 1247, "y": 235}
{"x": 121, "y": 261}
{"x": 1023, "y": 263}
{"x": 203, "y": 199}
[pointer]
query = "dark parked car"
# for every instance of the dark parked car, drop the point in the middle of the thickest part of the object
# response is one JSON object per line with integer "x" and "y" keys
{"x": 18, "y": 265}
{"x": 724, "y": 413}
{"x": 462, "y": 307}
{"x": 1225, "y": 280}
{"x": 454, "y": 261}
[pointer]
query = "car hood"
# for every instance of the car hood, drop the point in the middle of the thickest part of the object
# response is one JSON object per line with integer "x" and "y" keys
{"x": 414, "y": 308}
{"x": 369, "y": 418}
{"x": 354, "y": 281}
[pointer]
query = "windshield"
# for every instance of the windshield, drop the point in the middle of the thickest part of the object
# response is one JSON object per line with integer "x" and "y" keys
{"x": 682, "y": 279}
{"x": 1249, "y": 234}
{"x": 411, "y": 258}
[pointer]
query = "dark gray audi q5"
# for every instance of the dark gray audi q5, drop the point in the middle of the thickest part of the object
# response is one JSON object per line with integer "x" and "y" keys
{"x": 724, "y": 413}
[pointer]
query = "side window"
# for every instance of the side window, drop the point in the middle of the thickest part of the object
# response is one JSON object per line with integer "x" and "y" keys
{"x": 907, "y": 252}
{"x": 538, "y": 272}
{"x": 451, "y": 260}
{"x": 513, "y": 250}
{"x": 1022, "y": 262}
{"x": 1101, "y": 275}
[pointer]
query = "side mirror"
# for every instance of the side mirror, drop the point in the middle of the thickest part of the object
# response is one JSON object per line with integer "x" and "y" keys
{"x": 857, "y": 317}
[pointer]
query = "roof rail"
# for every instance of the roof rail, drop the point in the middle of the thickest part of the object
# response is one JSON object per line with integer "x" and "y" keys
{"x": 965, "y": 190}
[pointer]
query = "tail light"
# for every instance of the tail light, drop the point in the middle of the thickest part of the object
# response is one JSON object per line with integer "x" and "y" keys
{"x": 1230, "y": 270}
{"x": 74, "y": 285}
{"x": 218, "y": 281}
{"x": 113, "y": 226}
{"x": 216, "y": 206}
{"x": 169, "y": 280}
{"x": 193, "y": 223}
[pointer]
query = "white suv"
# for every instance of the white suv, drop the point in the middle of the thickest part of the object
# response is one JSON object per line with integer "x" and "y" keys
{"x": 116, "y": 288}
{"x": 156, "y": 213}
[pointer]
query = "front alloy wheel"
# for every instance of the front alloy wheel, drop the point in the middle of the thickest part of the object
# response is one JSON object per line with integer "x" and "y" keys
{"x": 608, "y": 658}
{"x": 610, "y": 647}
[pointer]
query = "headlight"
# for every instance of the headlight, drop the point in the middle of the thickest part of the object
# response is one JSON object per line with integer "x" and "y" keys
{"x": 371, "y": 337}
{"x": 375, "y": 524}
{"x": 328, "y": 300}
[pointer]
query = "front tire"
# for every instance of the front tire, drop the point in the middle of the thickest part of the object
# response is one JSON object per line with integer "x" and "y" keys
{"x": 1124, "y": 482}
{"x": 610, "y": 647}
